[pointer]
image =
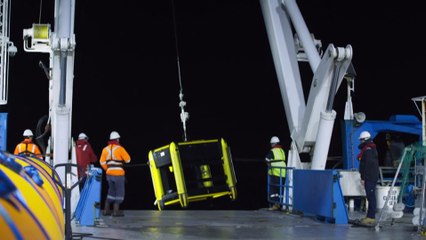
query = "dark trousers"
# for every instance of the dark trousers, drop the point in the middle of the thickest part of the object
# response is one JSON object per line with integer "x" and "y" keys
{"x": 115, "y": 189}
{"x": 276, "y": 188}
{"x": 370, "y": 192}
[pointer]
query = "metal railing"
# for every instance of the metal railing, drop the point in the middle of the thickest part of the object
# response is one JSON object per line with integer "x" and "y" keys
{"x": 283, "y": 197}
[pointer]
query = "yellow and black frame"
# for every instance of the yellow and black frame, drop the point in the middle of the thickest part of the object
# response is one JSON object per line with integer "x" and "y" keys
{"x": 192, "y": 171}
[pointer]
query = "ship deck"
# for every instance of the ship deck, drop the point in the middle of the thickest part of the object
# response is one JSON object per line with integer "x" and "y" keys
{"x": 238, "y": 224}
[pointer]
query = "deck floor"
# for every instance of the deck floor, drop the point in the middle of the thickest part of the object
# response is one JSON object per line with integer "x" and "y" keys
{"x": 236, "y": 224}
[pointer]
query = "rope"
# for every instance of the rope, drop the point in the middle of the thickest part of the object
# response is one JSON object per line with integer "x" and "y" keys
{"x": 184, "y": 116}
{"x": 249, "y": 160}
{"x": 39, "y": 16}
{"x": 136, "y": 165}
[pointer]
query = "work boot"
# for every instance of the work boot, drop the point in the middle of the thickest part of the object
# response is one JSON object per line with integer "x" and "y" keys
{"x": 368, "y": 221}
{"x": 117, "y": 212}
{"x": 275, "y": 207}
{"x": 107, "y": 209}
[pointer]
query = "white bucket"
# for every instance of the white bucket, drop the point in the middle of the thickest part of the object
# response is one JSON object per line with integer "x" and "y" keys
{"x": 382, "y": 193}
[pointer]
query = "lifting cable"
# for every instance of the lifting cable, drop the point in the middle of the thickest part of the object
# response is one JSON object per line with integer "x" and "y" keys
{"x": 39, "y": 15}
{"x": 183, "y": 114}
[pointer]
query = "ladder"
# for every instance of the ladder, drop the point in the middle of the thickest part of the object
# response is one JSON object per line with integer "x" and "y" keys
{"x": 397, "y": 211}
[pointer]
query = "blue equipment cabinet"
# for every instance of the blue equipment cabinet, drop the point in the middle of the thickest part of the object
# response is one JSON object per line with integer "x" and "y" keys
{"x": 88, "y": 211}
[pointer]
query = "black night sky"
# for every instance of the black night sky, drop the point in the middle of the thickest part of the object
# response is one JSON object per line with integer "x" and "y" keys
{"x": 126, "y": 76}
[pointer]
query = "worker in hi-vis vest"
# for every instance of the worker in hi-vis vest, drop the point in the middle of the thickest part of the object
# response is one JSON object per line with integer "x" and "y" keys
{"x": 27, "y": 147}
{"x": 112, "y": 159}
{"x": 275, "y": 159}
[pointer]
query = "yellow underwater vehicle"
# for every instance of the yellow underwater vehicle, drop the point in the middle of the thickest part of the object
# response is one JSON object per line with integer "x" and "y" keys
{"x": 192, "y": 171}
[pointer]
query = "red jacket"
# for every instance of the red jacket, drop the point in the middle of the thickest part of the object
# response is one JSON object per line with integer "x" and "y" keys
{"x": 85, "y": 156}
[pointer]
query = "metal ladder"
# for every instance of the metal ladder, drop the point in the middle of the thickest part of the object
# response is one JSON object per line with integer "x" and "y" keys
{"x": 399, "y": 207}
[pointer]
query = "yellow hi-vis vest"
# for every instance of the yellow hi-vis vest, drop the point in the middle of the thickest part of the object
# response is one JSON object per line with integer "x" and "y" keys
{"x": 278, "y": 163}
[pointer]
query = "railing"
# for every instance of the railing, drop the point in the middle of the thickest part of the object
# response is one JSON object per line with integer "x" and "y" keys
{"x": 284, "y": 184}
{"x": 387, "y": 174}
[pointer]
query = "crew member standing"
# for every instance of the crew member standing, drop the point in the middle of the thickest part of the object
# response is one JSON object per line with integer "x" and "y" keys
{"x": 27, "y": 147}
{"x": 275, "y": 159}
{"x": 85, "y": 156}
{"x": 112, "y": 159}
{"x": 369, "y": 170}
{"x": 394, "y": 151}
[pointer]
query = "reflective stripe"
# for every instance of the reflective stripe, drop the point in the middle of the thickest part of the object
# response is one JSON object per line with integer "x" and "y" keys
{"x": 112, "y": 198}
{"x": 114, "y": 162}
{"x": 23, "y": 147}
{"x": 111, "y": 152}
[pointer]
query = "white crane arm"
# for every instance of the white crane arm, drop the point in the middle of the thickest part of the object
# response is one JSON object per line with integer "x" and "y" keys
{"x": 310, "y": 123}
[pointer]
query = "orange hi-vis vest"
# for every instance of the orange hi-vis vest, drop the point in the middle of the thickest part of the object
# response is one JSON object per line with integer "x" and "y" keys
{"x": 27, "y": 147}
{"x": 112, "y": 159}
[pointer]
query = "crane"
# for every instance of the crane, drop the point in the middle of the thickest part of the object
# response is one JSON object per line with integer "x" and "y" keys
{"x": 60, "y": 45}
{"x": 310, "y": 123}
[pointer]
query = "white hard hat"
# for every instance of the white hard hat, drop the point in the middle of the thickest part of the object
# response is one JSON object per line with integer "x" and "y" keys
{"x": 275, "y": 139}
{"x": 114, "y": 135}
{"x": 83, "y": 136}
{"x": 27, "y": 133}
{"x": 365, "y": 135}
